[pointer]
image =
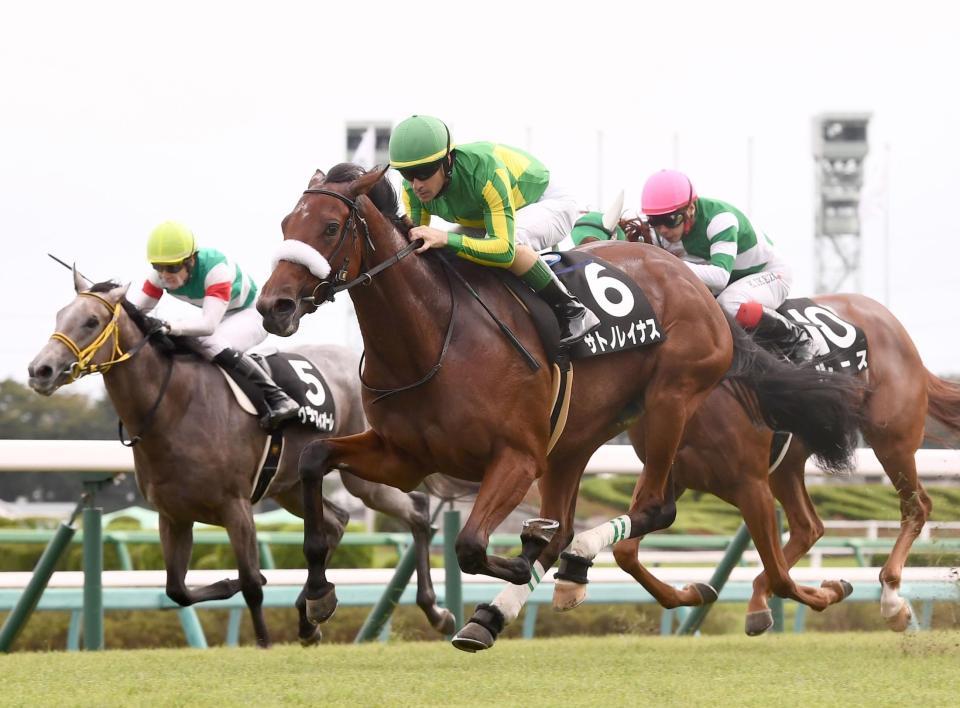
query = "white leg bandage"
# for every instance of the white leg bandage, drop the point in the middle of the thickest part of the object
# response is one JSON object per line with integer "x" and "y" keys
{"x": 890, "y": 600}
{"x": 512, "y": 599}
{"x": 589, "y": 543}
{"x": 302, "y": 254}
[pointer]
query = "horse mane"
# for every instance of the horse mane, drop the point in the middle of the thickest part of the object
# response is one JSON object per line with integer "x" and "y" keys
{"x": 382, "y": 194}
{"x": 636, "y": 230}
{"x": 145, "y": 323}
{"x": 141, "y": 320}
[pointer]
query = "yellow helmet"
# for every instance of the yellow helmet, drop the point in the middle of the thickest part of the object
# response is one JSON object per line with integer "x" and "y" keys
{"x": 171, "y": 242}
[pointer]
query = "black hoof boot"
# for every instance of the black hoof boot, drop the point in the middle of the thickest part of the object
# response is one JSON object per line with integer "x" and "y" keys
{"x": 481, "y": 631}
{"x": 534, "y": 537}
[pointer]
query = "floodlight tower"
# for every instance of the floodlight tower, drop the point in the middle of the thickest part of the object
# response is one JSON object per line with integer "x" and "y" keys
{"x": 839, "y": 148}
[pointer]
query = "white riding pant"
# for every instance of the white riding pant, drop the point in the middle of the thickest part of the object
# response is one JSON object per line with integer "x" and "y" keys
{"x": 540, "y": 224}
{"x": 240, "y": 330}
{"x": 769, "y": 287}
{"x": 547, "y": 221}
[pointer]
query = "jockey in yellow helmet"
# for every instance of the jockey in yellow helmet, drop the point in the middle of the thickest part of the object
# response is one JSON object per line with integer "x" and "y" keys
{"x": 228, "y": 323}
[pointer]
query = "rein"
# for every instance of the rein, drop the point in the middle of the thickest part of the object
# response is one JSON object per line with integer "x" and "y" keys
{"x": 83, "y": 366}
{"x": 150, "y": 415}
{"x": 386, "y": 392}
{"x": 339, "y": 283}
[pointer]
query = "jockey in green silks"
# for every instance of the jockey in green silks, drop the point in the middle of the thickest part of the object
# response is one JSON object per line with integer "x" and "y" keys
{"x": 502, "y": 199}
{"x": 228, "y": 323}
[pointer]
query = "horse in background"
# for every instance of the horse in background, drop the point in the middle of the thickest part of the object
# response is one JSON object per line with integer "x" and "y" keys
{"x": 899, "y": 394}
{"x": 199, "y": 451}
{"x": 724, "y": 454}
{"x": 445, "y": 391}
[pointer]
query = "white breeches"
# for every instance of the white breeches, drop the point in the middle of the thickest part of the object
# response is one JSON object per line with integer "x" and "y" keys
{"x": 547, "y": 221}
{"x": 240, "y": 330}
{"x": 769, "y": 287}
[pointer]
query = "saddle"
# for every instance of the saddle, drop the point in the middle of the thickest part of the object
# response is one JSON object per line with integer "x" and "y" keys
{"x": 627, "y": 320}
{"x": 845, "y": 345}
{"x": 303, "y": 382}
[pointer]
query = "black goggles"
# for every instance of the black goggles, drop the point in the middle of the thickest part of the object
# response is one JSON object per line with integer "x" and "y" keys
{"x": 671, "y": 221}
{"x": 168, "y": 268}
{"x": 420, "y": 172}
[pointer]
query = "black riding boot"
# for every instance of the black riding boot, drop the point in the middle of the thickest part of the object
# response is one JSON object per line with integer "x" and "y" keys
{"x": 575, "y": 318}
{"x": 281, "y": 406}
{"x": 786, "y": 337}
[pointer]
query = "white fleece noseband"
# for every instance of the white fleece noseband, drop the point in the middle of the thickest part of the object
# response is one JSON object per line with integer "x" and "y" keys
{"x": 300, "y": 253}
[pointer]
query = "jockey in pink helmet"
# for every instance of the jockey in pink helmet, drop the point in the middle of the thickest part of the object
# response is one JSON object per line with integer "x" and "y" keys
{"x": 733, "y": 258}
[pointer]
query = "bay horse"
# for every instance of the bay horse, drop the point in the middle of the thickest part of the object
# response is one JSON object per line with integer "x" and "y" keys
{"x": 199, "y": 451}
{"x": 722, "y": 453}
{"x": 444, "y": 390}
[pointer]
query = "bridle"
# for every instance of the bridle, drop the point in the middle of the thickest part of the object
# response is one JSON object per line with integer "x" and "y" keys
{"x": 339, "y": 282}
{"x": 83, "y": 366}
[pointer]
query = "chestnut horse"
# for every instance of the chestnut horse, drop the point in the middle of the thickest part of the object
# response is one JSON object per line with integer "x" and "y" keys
{"x": 200, "y": 452}
{"x": 445, "y": 390}
{"x": 722, "y": 453}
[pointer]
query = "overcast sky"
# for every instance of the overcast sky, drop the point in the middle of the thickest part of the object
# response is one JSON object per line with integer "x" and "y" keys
{"x": 117, "y": 115}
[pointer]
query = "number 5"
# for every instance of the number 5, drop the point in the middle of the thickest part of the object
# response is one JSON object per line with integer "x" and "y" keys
{"x": 315, "y": 393}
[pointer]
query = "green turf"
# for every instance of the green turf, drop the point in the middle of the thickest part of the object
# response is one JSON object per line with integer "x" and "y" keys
{"x": 864, "y": 669}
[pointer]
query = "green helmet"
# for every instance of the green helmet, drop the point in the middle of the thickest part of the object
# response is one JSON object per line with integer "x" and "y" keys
{"x": 419, "y": 140}
{"x": 171, "y": 242}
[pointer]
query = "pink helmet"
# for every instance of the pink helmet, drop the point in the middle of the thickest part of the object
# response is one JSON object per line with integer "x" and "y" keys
{"x": 665, "y": 192}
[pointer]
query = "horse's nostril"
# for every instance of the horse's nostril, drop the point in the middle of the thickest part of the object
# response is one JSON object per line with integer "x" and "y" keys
{"x": 284, "y": 307}
{"x": 42, "y": 372}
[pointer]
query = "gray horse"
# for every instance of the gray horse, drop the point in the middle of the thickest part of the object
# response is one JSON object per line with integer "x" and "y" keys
{"x": 200, "y": 451}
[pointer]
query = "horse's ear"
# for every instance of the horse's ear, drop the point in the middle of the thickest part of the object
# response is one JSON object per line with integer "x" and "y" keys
{"x": 318, "y": 177}
{"x": 79, "y": 282}
{"x": 365, "y": 182}
{"x": 611, "y": 217}
{"x": 118, "y": 293}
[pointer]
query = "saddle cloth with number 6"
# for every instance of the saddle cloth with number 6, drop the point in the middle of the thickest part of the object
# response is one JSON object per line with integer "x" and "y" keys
{"x": 627, "y": 320}
{"x": 845, "y": 343}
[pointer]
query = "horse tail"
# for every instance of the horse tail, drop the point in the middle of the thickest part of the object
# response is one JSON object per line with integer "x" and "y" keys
{"x": 819, "y": 407}
{"x": 943, "y": 401}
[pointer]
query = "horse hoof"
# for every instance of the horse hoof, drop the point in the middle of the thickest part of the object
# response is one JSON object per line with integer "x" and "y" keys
{"x": 313, "y": 639}
{"x": 708, "y": 594}
{"x": 473, "y": 638}
{"x": 758, "y": 622}
{"x": 842, "y": 587}
{"x": 568, "y": 595}
{"x": 322, "y": 609}
{"x": 445, "y": 623}
{"x": 900, "y": 622}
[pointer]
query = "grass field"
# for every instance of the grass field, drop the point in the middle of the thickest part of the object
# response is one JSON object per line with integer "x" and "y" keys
{"x": 862, "y": 669}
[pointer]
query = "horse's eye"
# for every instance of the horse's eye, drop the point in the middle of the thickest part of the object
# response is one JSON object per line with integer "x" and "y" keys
{"x": 331, "y": 229}
{"x": 91, "y": 322}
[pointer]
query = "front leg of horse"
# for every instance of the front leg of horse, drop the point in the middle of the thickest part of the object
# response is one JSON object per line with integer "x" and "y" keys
{"x": 440, "y": 618}
{"x": 505, "y": 483}
{"x": 366, "y": 456}
{"x": 176, "y": 543}
{"x": 558, "y": 492}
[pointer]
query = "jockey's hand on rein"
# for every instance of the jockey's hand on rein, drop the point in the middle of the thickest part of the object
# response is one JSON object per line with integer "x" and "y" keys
{"x": 432, "y": 238}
